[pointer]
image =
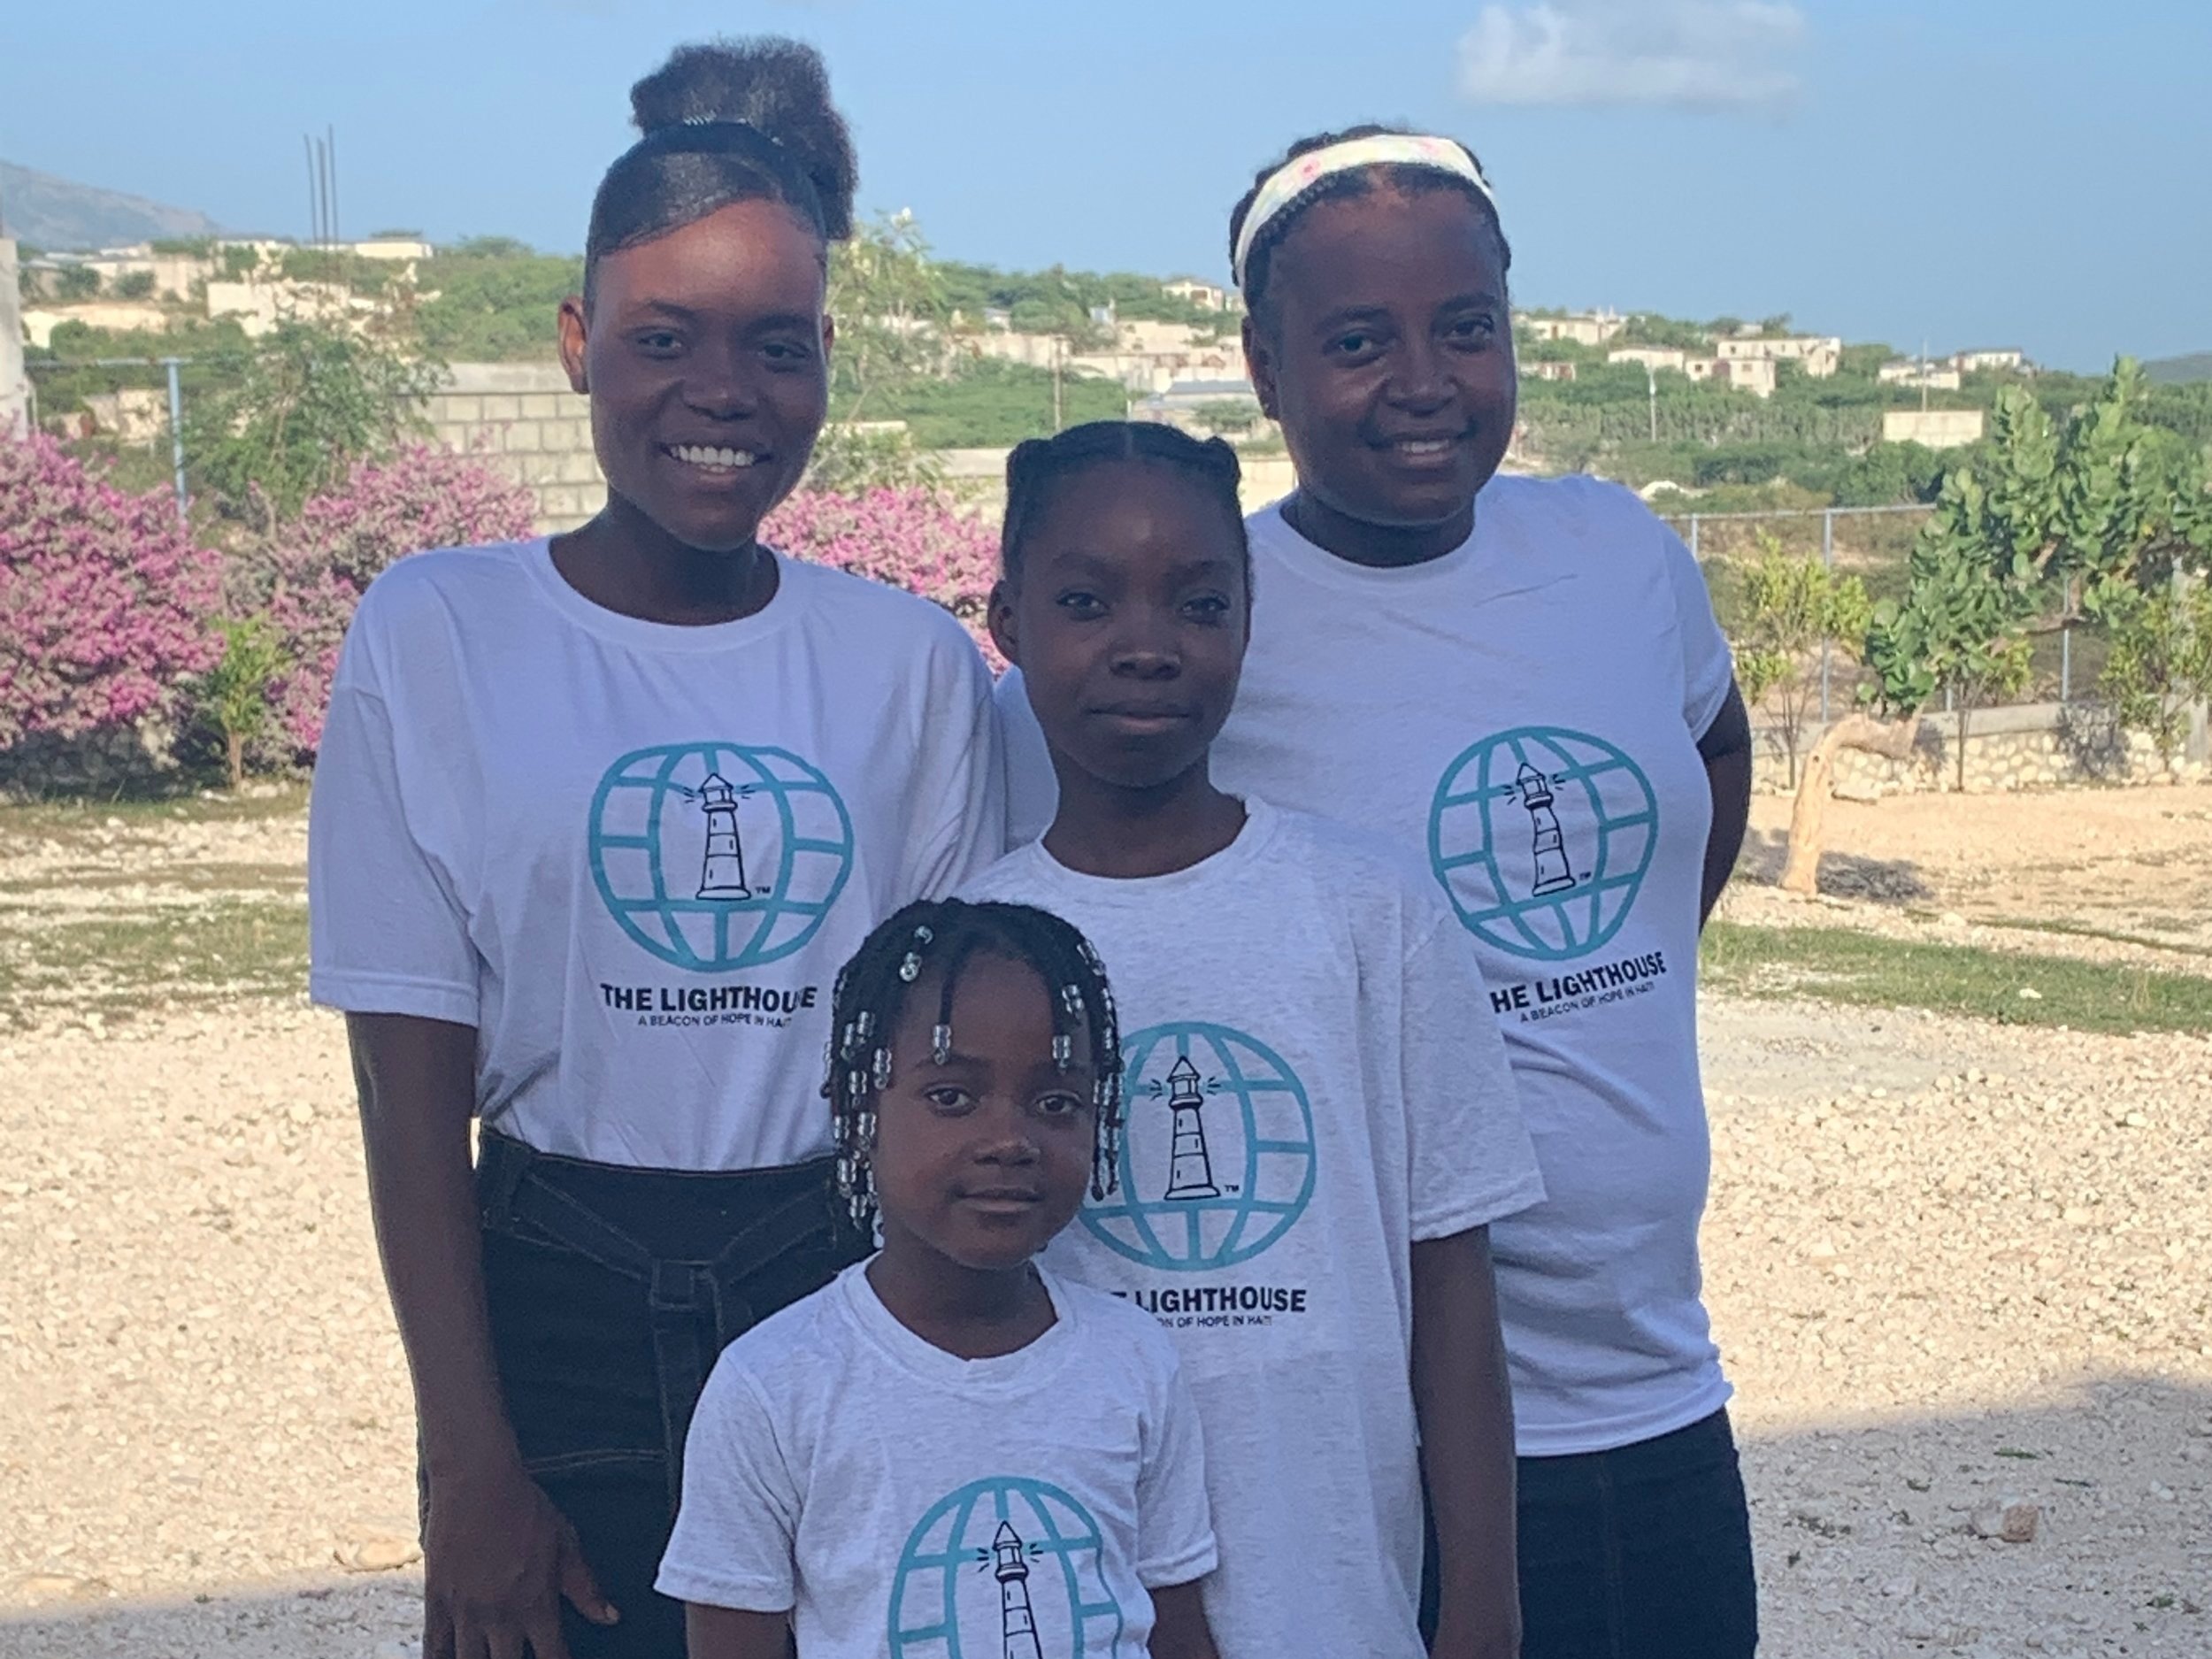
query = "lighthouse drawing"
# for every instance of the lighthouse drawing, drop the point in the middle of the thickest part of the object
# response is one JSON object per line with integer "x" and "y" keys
{"x": 722, "y": 874}
{"x": 1554, "y": 875}
{"x": 1017, "y": 1624}
{"x": 1190, "y": 1171}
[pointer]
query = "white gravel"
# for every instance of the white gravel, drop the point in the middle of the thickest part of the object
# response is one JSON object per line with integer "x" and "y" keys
{"x": 1951, "y": 1263}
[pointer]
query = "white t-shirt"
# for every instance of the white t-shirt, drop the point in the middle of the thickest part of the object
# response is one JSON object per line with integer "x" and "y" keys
{"x": 910, "y": 1504}
{"x": 1306, "y": 1098}
{"x": 633, "y": 854}
{"x": 1522, "y": 715}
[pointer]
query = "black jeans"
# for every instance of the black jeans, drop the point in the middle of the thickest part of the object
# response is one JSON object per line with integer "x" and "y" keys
{"x": 1639, "y": 1553}
{"x": 612, "y": 1292}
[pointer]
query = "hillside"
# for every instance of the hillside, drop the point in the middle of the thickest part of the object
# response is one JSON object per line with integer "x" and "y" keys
{"x": 50, "y": 213}
{"x": 2181, "y": 370}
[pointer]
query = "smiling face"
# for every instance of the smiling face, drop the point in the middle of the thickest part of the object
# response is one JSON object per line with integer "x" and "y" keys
{"x": 981, "y": 1160}
{"x": 1129, "y": 620}
{"x": 1385, "y": 352}
{"x": 705, "y": 353}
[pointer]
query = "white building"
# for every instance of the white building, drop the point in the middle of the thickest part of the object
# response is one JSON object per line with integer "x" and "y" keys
{"x": 1932, "y": 428}
{"x": 1755, "y": 375}
{"x": 1191, "y": 291}
{"x": 1935, "y": 377}
{"x": 2007, "y": 358}
{"x": 1584, "y": 328}
{"x": 1820, "y": 355}
{"x": 1652, "y": 357}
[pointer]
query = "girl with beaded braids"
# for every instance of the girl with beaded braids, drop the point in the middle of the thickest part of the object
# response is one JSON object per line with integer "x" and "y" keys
{"x": 1520, "y": 682}
{"x": 596, "y": 817}
{"x": 1317, "y": 1137}
{"x": 895, "y": 1452}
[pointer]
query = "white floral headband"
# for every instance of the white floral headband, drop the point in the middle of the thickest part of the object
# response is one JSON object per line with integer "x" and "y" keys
{"x": 1381, "y": 149}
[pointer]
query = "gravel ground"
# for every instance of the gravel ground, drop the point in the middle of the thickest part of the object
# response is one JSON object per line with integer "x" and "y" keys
{"x": 1957, "y": 1270}
{"x": 1951, "y": 1264}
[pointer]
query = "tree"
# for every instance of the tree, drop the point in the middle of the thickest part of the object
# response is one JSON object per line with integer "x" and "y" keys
{"x": 134, "y": 284}
{"x": 890, "y": 313}
{"x": 312, "y": 399}
{"x": 236, "y": 695}
{"x": 74, "y": 282}
{"x": 2161, "y": 665}
{"x": 1792, "y": 605}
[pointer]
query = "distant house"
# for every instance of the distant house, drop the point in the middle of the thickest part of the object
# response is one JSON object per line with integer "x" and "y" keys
{"x": 398, "y": 250}
{"x": 2006, "y": 359}
{"x": 1205, "y": 295}
{"x": 1932, "y": 428}
{"x": 1820, "y": 355}
{"x": 1651, "y": 356}
{"x": 1584, "y": 328}
{"x": 1755, "y": 375}
{"x": 1935, "y": 377}
{"x": 1180, "y": 403}
{"x": 1538, "y": 369}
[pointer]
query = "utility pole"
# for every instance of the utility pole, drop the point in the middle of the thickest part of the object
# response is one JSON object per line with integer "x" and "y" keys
{"x": 1059, "y": 349}
{"x": 1651, "y": 382}
{"x": 15, "y": 384}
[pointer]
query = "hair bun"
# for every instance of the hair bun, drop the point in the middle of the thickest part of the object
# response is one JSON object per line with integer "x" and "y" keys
{"x": 779, "y": 87}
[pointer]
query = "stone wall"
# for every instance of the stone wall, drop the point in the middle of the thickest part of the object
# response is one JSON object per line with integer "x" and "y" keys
{"x": 521, "y": 420}
{"x": 2035, "y": 746}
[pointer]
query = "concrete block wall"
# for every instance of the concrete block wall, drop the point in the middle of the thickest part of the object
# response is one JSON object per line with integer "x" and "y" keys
{"x": 2032, "y": 746}
{"x": 522, "y": 421}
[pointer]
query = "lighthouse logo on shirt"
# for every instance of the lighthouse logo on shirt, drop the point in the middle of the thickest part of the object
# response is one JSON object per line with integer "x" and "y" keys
{"x": 1217, "y": 1152}
{"x": 1008, "y": 1568}
{"x": 1542, "y": 837}
{"x": 717, "y": 857}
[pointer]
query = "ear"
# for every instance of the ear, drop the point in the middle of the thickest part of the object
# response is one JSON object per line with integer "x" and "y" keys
{"x": 572, "y": 337}
{"x": 829, "y": 336}
{"x": 1004, "y": 634}
{"x": 1259, "y": 362}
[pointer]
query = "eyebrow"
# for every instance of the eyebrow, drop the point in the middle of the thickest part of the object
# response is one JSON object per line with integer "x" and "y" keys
{"x": 1382, "y": 313}
{"x": 1186, "y": 570}
{"x": 648, "y": 310}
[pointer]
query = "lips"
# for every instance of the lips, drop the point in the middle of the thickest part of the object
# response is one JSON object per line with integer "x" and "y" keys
{"x": 713, "y": 459}
{"x": 1146, "y": 713}
{"x": 1419, "y": 446}
{"x": 1003, "y": 1198}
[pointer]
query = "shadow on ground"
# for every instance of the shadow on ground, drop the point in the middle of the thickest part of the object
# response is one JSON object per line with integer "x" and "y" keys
{"x": 1843, "y": 875}
{"x": 1866, "y": 1541}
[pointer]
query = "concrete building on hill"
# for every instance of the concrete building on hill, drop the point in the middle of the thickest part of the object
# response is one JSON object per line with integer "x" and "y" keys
{"x": 1546, "y": 369}
{"x": 1205, "y": 295}
{"x": 1652, "y": 357}
{"x": 1755, "y": 375}
{"x": 2006, "y": 359}
{"x": 1584, "y": 328}
{"x": 1819, "y": 355}
{"x": 1933, "y": 428}
{"x": 1935, "y": 377}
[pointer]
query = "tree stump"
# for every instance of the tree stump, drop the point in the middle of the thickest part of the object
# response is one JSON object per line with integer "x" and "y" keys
{"x": 1891, "y": 738}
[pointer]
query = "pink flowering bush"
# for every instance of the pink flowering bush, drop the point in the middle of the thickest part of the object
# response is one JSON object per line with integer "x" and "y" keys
{"x": 107, "y": 610}
{"x": 911, "y": 538}
{"x": 318, "y": 566}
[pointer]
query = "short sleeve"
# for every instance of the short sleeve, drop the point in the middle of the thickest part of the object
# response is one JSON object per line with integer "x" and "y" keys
{"x": 1032, "y": 792}
{"x": 1472, "y": 1158}
{"x": 1708, "y": 670}
{"x": 735, "y": 1540}
{"x": 387, "y": 933}
{"x": 1175, "y": 1534}
{"x": 962, "y": 750}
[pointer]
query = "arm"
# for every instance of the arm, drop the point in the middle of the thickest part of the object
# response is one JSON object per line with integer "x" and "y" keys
{"x": 1727, "y": 750}
{"x": 1465, "y": 1411}
{"x": 1179, "y": 1624}
{"x": 497, "y": 1556}
{"x": 729, "y": 1633}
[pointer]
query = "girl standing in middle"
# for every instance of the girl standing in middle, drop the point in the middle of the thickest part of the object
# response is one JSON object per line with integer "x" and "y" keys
{"x": 1317, "y": 1136}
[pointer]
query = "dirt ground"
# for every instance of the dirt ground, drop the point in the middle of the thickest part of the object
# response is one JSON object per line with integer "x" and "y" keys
{"x": 1953, "y": 1266}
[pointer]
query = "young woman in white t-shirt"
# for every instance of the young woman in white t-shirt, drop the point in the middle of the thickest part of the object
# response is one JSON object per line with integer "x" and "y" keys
{"x": 951, "y": 1450}
{"x": 1521, "y": 681}
{"x": 595, "y": 821}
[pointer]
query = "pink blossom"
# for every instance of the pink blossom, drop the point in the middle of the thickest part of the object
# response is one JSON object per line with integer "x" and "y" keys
{"x": 911, "y": 538}
{"x": 106, "y": 607}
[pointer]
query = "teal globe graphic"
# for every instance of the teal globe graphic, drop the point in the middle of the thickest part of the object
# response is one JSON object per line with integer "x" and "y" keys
{"x": 718, "y": 857}
{"x": 1218, "y": 1154}
{"x": 1005, "y": 1567}
{"x": 1542, "y": 837}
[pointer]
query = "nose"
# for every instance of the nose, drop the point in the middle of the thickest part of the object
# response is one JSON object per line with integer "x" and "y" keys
{"x": 1423, "y": 384}
{"x": 1007, "y": 1142}
{"x": 716, "y": 383}
{"x": 1145, "y": 647}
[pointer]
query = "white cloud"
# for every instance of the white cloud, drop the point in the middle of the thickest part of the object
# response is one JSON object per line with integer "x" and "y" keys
{"x": 1710, "y": 54}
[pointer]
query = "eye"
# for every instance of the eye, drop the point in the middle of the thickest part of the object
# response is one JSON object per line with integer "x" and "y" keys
{"x": 1210, "y": 608}
{"x": 1471, "y": 331}
{"x": 1059, "y": 1105}
{"x": 950, "y": 1100}
{"x": 659, "y": 342}
{"x": 1357, "y": 343}
{"x": 786, "y": 354}
{"x": 1079, "y": 603}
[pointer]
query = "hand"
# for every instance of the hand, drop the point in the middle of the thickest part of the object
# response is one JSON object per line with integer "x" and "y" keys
{"x": 497, "y": 1562}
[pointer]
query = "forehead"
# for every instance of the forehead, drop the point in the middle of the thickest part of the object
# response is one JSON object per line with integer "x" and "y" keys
{"x": 1388, "y": 247}
{"x": 744, "y": 258}
{"x": 1125, "y": 506}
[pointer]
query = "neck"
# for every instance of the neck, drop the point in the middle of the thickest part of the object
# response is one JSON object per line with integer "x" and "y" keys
{"x": 1106, "y": 829}
{"x": 973, "y": 1312}
{"x": 1381, "y": 545}
{"x": 626, "y": 563}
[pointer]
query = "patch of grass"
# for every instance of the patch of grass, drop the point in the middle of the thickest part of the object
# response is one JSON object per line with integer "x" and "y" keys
{"x": 65, "y": 819}
{"x": 117, "y": 966}
{"x": 1865, "y": 969}
{"x": 2082, "y": 930}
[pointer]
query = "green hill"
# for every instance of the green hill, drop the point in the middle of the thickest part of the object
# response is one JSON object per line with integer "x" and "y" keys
{"x": 2181, "y": 370}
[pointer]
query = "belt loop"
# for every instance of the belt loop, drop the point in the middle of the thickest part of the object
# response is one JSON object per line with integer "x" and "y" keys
{"x": 500, "y": 1164}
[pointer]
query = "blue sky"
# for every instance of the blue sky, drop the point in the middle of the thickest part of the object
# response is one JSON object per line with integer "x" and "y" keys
{"x": 1963, "y": 171}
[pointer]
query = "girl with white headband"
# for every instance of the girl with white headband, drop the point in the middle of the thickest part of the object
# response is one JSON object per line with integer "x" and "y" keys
{"x": 1521, "y": 683}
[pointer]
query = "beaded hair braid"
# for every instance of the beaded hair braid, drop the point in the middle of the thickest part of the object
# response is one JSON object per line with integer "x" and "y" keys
{"x": 945, "y": 934}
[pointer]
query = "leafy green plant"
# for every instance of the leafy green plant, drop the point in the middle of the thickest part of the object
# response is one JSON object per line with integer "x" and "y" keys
{"x": 1793, "y": 604}
{"x": 2161, "y": 663}
{"x": 235, "y": 696}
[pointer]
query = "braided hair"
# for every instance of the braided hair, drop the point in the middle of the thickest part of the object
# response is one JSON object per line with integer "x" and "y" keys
{"x": 1038, "y": 467}
{"x": 1337, "y": 187}
{"x": 944, "y": 935}
{"x": 723, "y": 122}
